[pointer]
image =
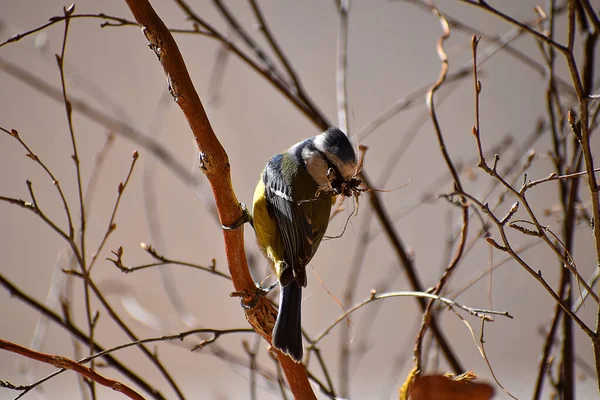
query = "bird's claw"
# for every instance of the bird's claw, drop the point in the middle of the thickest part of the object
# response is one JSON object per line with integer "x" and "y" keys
{"x": 246, "y": 217}
{"x": 260, "y": 293}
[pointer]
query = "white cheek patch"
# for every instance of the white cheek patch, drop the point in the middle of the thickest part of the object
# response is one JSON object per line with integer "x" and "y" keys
{"x": 348, "y": 170}
{"x": 315, "y": 165}
{"x": 319, "y": 142}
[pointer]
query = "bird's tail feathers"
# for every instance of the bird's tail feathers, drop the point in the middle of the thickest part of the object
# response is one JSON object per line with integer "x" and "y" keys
{"x": 287, "y": 333}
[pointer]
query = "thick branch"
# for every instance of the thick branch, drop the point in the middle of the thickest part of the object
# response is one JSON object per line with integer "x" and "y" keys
{"x": 215, "y": 165}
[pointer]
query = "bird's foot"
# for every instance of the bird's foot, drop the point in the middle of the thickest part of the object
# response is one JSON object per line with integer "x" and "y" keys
{"x": 246, "y": 217}
{"x": 260, "y": 293}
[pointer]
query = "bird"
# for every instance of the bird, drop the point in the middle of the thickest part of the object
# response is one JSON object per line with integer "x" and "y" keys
{"x": 291, "y": 211}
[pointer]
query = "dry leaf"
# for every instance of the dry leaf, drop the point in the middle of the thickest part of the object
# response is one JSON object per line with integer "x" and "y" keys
{"x": 440, "y": 387}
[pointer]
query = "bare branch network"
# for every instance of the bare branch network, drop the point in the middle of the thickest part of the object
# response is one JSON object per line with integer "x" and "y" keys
{"x": 488, "y": 130}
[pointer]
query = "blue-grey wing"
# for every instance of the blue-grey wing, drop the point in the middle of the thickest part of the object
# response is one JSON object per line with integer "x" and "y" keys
{"x": 294, "y": 219}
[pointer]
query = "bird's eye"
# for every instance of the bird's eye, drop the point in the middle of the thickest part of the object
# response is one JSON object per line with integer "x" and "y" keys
{"x": 330, "y": 174}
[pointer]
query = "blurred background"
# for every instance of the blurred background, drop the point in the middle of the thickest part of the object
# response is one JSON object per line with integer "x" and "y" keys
{"x": 391, "y": 53}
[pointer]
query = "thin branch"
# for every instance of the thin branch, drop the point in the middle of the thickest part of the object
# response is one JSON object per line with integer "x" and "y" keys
{"x": 82, "y": 214}
{"x": 547, "y": 351}
{"x": 69, "y": 114}
{"x": 57, "y": 19}
{"x": 162, "y": 260}
{"x": 506, "y": 247}
{"x": 30, "y": 154}
{"x": 476, "y": 312}
{"x": 14, "y": 291}
{"x": 36, "y": 210}
{"x": 341, "y": 80}
{"x": 111, "y": 222}
{"x": 563, "y": 49}
{"x": 304, "y": 105}
{"x": 553, "y": 176}
{"x": 481, "y": 348}
{"x": 457, "y": 184}
{"x": 65, "y": 363}
{"x": 280, "y": 378}
{"x": 180, "y": 336}
{"x": 408, "y": 265}
{"x": 264, "y": 28}
{"x": 519, "y": 55}
{"x": 102, "y": 118}
{"x": 570, "y": 264}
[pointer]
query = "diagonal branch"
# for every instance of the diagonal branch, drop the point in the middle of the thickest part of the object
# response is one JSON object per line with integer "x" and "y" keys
{"x": 14, "y": 291}
{"x": 66, "y": 363}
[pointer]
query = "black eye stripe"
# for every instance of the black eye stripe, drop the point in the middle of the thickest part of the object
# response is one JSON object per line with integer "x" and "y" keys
{"x": 337, "y": 171}
{"x": 330, "y": 165}
{"x": 309, "y": 144}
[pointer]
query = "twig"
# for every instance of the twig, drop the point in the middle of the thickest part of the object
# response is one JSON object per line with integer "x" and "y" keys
{"x": 110, "y": 123}
{"x": 553, "y": 176}
{"x": 466, "y": 70}
{"x": 563, "y": 49}
{"x": 481, "y": 348}
{"x": 69, "y": 114}
{"x": 65, "y": 363}
{"x": 280, "y": 378}
{"x": 30, "y": 154}
{"x": 587, "y": 6}
{"x": 264, "y": 28}
{"x": 457, "y": 184}
{"x": 304, "y": 105}
{"x": 77, "y": 333}
{"x": 547, "y": 351}
{"x": 408, "y": 265}
{"x": 91, "y": 319}
{"x": 506, "y": 247}
{"x": 570, "y": 265}
{"x": 57, "y": 19}
{"x": 353, "y": 275}
{"x": 317, "y": 351}
{"x": 111, "y": 222}
{"x": 252, "y": 356}
{"x": 162, "y": 260}
{"x": 36, "y": 210}
{"x": 341, "y": 80}
{"x": 476, "y": 312}
{"x": 519, "y": 55}
{"x": 180, "y": 336}
{"x": 110, "y": 21}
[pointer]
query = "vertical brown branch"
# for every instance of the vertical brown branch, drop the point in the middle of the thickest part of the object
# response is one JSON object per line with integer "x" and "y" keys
{"x": 60, "y": 60}
{"x": 215, "y": 165}
{"x": 559, "y": 160}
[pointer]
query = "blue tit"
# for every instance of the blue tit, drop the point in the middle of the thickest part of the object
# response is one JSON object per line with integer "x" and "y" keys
{"x": 291, "y": 211}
